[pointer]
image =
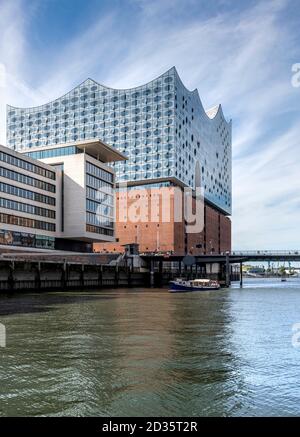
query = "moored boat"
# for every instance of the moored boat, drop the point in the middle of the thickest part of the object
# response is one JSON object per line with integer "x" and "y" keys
{"x": 182, "y": 285}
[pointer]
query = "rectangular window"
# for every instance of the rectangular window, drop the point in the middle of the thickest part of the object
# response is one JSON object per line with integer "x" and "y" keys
{"x": 53, "y": 153}
{"x": 27, "y": 180}
{"x": 27, "y": 208}
{"x": 99, "y": 196}
{"x": 98, "y": 208}
{"x": 94, "y": 182}
{"x": 25, "y": 165}
{"x": 98, "y": 220}
{"x": 99, "y": 230}
{"x": 99, "y": 173}
{"x": 26, "y": 222}
{"x": 26, "y": 194}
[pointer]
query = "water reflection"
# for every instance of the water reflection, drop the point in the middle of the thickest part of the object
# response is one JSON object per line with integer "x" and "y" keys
{"x": 148, "y": 352}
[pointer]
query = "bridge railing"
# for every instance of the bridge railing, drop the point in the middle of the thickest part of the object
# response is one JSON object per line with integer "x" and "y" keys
{"x": 264, "y": 252}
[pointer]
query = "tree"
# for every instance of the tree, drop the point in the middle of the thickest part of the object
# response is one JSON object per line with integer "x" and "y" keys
{"x": 282, "y": 271}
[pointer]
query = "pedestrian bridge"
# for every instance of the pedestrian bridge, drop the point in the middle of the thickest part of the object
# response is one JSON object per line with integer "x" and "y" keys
{"x": 223, "y": 259}
{"x": 263, "y": 255}
{"x": 236, "y": 256}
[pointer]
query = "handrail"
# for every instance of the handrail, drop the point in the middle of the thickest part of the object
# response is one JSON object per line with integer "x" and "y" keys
{"x": 264, "y": 252}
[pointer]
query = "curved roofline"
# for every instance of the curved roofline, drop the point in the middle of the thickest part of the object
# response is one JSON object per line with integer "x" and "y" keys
{"x": 57, "y": 98}
{"x": 133, "y": 88}
{"x": 218, "y": 112}
{"x": 97, "y": 83}
{"x": 195, "y": 91}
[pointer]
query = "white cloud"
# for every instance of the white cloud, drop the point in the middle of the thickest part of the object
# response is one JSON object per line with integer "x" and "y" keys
{"x": 13, "y": 51}
{"x": 238, "y": 58}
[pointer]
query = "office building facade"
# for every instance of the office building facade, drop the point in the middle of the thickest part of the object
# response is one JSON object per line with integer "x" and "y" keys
{"x": 28, "y": 201}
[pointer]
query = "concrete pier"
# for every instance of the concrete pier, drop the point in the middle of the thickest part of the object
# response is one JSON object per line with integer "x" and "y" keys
{"x": 38, "y": 276}
{"x": 86, "y": 271}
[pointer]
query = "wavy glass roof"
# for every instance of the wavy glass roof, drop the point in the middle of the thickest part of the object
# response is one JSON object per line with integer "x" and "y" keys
{"x": 160, "y": 126}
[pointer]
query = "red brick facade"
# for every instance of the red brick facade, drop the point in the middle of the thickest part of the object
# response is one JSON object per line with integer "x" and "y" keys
{"x": 149, "y": 222}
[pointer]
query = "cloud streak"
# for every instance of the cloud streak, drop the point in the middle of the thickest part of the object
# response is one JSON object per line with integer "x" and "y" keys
{"x": 240, "y": 57}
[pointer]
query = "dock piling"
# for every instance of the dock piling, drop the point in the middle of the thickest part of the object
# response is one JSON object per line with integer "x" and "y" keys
{"x": 241, "y": 275}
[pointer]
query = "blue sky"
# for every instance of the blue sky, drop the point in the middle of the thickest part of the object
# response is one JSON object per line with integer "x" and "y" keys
{"x": 238, "y": 53}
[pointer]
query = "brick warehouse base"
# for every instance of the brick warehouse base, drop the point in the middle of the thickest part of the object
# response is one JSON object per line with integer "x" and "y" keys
{"x": 149, "y": 221}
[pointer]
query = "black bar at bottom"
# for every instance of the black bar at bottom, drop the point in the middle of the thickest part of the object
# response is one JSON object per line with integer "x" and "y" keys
{"x": 136, "y": 425}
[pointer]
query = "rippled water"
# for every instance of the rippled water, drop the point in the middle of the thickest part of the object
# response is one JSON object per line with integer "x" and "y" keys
{"x": 149, "y": 352}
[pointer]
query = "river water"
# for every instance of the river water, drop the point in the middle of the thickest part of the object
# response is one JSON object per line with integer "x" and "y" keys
{"x": 144, "y": 352}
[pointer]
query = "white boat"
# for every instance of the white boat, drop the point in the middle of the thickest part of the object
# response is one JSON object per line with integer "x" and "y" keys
{"x": 183, "y": 285}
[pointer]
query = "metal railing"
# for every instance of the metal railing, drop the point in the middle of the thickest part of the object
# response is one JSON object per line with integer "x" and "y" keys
{"x": 264, "y": 252}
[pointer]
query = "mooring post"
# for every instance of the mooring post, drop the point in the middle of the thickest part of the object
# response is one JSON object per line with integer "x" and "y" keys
{"x": 100, "y": 276}
{"x": 241, "y": 275}
{"x": 151, "y": 273}
{"x": 160, "y": 274}
{"x": 64, "y": 275}
{"x": 185, "y": 270}
{"x": 117, "y": 276}
{"x": 82, "y": 276}
{"x": 128, "y": 275}
{"x": 227, "y": 282}
{"x": 11, "y": 279}
{"x": 179, "y": 268}
{"x": 38, "y": 276}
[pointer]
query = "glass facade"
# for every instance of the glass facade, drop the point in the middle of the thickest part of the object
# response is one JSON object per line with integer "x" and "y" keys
{"x": 53, "y": 153}
{"x": 161, "y": 127}
{"x": 99, "y": 199}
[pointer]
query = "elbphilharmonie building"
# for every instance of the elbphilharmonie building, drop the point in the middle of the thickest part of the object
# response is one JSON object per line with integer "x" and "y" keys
{"x": 161, "y": 127}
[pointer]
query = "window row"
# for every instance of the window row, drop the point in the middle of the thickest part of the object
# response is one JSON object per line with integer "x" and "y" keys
{"x": 98, "y": 208}
{"x": 99, "y": 113}
{"x": 114, "y": 119}
{"x": 99, "y": 196}
{"x": 26, "y": 222}
{"x": 98, "y": 230}
{"x": 145, "y": 167}
{"x": 98, "y": 220}
{"x": 94, "y": 182}
{"x": 26, "y": 194}
{"x": 99, "y": 172}
{"x": 137, "y": 176}
{"x": 19, "y": 177}
{"x": 53, "y": 153}
{"x": 17, "y": 162}
{"x": 27, "y": 208}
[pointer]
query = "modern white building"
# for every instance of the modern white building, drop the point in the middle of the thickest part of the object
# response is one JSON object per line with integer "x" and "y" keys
{"x": 58, "y": 198}
{"x": 28, "y": 201}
